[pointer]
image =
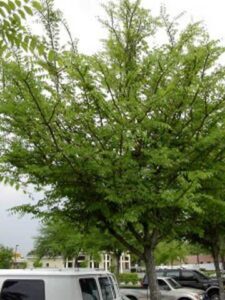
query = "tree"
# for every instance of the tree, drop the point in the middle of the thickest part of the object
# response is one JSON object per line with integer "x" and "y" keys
{"x": 60, "y": 237}
{"x": 207, "y": 225}
{"x": 171, "y": 251}
{"x": 124, "y": 139}
{"x": 6, "y": 257}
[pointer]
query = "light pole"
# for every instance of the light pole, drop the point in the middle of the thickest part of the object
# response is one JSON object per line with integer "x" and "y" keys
{"x": 15, "y": 257}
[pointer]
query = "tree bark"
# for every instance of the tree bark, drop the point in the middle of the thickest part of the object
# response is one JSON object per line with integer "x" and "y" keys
{"x": 117, "y": 257}
{"x": 151, "y": 274}
{"x": 216, "y": 255}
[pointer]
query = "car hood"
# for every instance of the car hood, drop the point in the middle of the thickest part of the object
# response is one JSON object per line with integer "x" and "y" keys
{"x": 190, "y": 290}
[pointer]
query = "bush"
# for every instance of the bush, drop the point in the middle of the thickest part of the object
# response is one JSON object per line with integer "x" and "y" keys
{"x": 128, "y": 278}
{"x": 37, "y": 264}
{"x": 83, "y": 264}
{"x": 6, "y": 257}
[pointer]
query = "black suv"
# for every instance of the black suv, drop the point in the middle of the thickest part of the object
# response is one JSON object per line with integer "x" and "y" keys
{"x": 191, "y": 278}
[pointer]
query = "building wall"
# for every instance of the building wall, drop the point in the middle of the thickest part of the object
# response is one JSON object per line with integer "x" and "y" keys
{"x": 105, "y": 263}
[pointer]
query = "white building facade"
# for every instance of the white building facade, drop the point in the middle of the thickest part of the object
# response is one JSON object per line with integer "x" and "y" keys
{"x": 106, "y": 262}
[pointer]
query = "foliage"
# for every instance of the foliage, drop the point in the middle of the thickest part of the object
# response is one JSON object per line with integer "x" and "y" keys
{"x": 37, "y": 264}
{"x": 23, "y": 265}
{"x": 126, "y": 140}
{"x": 60, "y": 237}
{"x": 206, "y": 225}
{"x": 168, "y": 252}
{"x": 13, "y": 15}
{"x": 6, "y": 257}
{"x": 128, "y": 278}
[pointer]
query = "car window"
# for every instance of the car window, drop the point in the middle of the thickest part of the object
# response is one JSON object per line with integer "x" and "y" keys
{"x": 112, "y": 286}
{"x": 188, "y": 275}
{"x": 89, "y": 289}
{"x": 201, "y": 276}
{"x": 174, "y": 283}
{"x": 160, "y": 273}
{"x": 23, "y": 290}
{"x": 106, "y": 288}
{"x": 163, "y": 286}
{"x": 173, "y": 273}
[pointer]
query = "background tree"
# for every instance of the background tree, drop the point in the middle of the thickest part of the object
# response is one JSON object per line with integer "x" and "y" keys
{"x": 123, "y": 140}
{"x": 170, "y": 252}
{"x": 59, "y": 237}
{"x": 6, "y": 257}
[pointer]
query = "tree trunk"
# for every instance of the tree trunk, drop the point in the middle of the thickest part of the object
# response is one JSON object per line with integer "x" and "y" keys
{"x": 223, "y": 261}
{"x": 76, "y": 262}
{"x": 216, "y": 256}
{"x": 151, "y": 274}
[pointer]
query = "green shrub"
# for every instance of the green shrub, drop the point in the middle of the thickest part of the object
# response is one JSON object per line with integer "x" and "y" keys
{"x": 129, "y": 278}
{"x": 37, "y": 264}
{"x": 83, "y": 264}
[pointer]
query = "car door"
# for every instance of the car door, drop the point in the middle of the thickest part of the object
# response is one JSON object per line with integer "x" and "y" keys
{"x": 164, "y": 290}
{"x": 190, "y": 279}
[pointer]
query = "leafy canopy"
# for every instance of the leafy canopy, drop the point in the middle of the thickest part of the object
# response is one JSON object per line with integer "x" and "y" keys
{"x": 125, "y": 139}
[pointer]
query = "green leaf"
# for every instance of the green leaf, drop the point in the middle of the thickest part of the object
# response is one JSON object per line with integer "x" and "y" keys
{"x": 11, "y": 5}
{"x": 16, "y": 18}
{"x": 3, "y": 4}
{"x": 2, "y": 12}
{"x": 33, "y": 43}
{"x": 28, "y": 10}
{"x": 18, "y": 3}
{"x": 22, "y": 14}
{"x": 41, "y": 49}
{"x": 37, "y": 5}
{"x": 51, "y": 55}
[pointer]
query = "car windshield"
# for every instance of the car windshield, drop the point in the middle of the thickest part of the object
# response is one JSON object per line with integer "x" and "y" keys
{"x": 174, "y": 283}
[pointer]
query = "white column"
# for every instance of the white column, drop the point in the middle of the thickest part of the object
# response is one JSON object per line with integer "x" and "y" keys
{"x": 106, "y": 260}
{"x": 121, "y": 263}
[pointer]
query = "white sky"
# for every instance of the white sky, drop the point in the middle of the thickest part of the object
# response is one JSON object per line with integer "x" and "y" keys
{"x": 82, "y": 18}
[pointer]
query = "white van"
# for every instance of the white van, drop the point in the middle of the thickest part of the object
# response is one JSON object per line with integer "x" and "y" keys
{"x": 58, "y": 285}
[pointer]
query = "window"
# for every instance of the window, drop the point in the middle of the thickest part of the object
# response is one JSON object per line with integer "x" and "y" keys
{"x": 163, "y": 286}
{"x": 200, "y": 275}
{"x": 160, "y": 273}
{"x": 174, "y": 283}
{"x": 173, "y": 273}
{"x": 127, "y": 266}
{"x": 81, "y": 258}
{"x": 23, "y": 290}
{"x": 89, "y": 289}
{"x": 113, "y": 288}
{"x": 188, "y": 275}
{"x": 107, "y": 288}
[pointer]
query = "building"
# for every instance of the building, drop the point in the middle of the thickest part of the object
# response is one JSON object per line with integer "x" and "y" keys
{"x": 106, "y": 262}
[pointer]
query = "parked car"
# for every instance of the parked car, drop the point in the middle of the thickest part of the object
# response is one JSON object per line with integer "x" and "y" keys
{"x": 58, "y": 285}
{"x": 169, "y": 290}
{"x": 193, "y": 279}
